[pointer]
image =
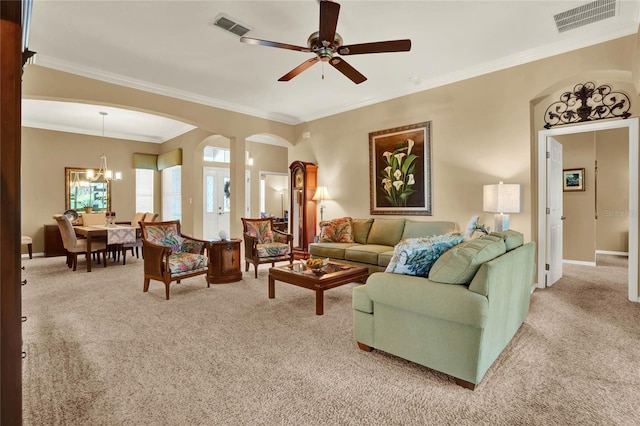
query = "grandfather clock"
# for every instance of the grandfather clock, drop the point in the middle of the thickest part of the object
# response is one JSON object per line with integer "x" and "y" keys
{"x": 302, "y": 217}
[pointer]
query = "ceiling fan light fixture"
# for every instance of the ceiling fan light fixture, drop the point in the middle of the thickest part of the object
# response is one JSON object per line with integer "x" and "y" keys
{"x": 320, "y": 44}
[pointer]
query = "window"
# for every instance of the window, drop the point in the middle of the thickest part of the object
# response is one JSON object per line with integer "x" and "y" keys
{"x": 218, "y": 155}
{"x": 172, "y": 193}
{"x": 262, "y": 192}
{"x": 144, "y": 190}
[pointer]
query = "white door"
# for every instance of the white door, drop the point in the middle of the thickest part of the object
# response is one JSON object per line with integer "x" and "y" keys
{"x": 554, "y": 212}
{"x": 217, "y": 203}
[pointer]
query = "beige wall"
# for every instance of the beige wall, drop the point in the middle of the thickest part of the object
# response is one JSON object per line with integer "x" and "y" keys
{"x": 276, "y": 194}
{"x": 583, "y": 232}
{"x": 46, "y": 153}
{"x": 612, "y": 153}
{"x": 266, "y": 158}
{"x": 45, "y": 83}
{"x": 484, "y": 130}
{"x": 579, "y": 227}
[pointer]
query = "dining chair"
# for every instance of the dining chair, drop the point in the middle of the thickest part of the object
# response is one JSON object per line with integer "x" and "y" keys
{"x": 27, "y": 241}
{"x": 91, "y": 219}
{"x": 150, "y": 217}
{"x": 75, "y": 246}
{"x": 137, "y": 218}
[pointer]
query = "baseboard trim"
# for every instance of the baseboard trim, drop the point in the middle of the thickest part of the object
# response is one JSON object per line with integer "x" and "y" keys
{"x": 615, "y": 253}
{"x": 578, "y": 262}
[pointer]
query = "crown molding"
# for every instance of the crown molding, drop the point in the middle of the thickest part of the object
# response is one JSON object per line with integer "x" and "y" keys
{"x": 552, "y": 49}
{"x": 81, "y": 70}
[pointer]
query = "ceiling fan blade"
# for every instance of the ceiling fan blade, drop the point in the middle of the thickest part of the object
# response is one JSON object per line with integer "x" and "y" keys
{"x": 328, "y": 20}
{"x": 346, "y": 69}
{"x": 376, "y": 47}
{"x": 259, "y": 42}
{"x": 297, "y": 70}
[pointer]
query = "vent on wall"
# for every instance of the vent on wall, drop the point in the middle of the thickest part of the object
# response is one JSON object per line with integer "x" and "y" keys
{"x": 230, "y": 24}
{"x": 585, "y": 14}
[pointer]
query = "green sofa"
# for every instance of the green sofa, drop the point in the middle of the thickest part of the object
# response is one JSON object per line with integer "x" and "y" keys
{"x": 374, "y": 240}
{"x": 459, "y": 319}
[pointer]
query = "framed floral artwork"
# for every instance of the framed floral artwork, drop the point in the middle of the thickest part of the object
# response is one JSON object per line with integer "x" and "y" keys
{"x": 400, "y": 170}
{"x": 572, "y": 180}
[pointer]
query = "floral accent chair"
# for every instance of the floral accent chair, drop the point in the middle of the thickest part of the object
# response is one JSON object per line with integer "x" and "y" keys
{"x": 169, "y": 255}
{"x": 263, "y": 244}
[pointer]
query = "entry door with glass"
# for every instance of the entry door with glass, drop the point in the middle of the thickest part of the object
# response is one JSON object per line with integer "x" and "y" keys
{"x": 217, "y": 203}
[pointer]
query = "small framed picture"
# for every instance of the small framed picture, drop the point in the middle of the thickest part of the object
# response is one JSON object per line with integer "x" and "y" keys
{"x": 573, "y": 180}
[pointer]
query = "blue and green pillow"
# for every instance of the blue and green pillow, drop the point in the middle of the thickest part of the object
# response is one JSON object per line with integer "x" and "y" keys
{"x": 416, "y": 256}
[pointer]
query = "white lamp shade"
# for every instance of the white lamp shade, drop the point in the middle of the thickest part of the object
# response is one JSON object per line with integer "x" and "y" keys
{"x": 321, "y": 194}
{"x": 501, "y": 198}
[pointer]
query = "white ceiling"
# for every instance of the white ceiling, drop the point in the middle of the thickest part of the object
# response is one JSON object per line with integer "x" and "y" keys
{"x": 169, "y": 47}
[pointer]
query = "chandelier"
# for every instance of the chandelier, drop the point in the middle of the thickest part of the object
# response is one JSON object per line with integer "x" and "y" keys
{"x": 103, "y": 171}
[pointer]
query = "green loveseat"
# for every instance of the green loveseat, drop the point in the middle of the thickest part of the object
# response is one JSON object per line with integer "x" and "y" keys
{"x": 459, "y": 319}
{"x": 374, "y": 240}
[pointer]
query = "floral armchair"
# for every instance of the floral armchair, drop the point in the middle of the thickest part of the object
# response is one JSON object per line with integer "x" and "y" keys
{"x": 171, "y": 256}
{"x": 263, "y": 244}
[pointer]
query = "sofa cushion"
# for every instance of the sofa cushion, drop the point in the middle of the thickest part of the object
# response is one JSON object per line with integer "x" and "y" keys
{"x": 460, "y": 264}
{"x": 416, "y": 256}
{"x": 336, "y": 231}
{"x": 331, "y": 250}
{"x": 181, "y": 263}
{"x": 512, "y": 239}
{"x": 365, "y": 253}
{"x": 386, "y": 232}
{"x": 361, "y": 228}
{"x": 417, "y": 229}
{"x": 385, "y": 258}
{"x": 268, "y": 250}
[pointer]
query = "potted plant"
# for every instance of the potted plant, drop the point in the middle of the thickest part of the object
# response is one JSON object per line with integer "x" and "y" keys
{"x": 88, "y": 207}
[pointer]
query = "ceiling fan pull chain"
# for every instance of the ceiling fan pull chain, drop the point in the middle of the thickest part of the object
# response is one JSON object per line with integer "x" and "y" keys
{"x": 323, "y": 70}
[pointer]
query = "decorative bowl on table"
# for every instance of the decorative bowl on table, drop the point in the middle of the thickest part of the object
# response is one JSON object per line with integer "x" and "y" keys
{"x": 316, "y": 265}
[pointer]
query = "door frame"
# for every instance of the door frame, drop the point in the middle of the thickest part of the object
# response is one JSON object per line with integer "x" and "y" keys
{"x": 632, "y": 125}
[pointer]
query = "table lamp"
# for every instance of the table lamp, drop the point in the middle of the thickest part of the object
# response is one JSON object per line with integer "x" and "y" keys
{"x": 500, "y": 199}
{"x": 321, "y": 195}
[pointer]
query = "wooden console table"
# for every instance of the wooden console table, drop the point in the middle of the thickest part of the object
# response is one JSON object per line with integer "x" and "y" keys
{"x": 224, "y": 261}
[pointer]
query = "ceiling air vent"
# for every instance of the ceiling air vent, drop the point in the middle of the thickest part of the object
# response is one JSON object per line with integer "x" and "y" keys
{"x": 230, "y": 24}
{"x": 585, "y": 14}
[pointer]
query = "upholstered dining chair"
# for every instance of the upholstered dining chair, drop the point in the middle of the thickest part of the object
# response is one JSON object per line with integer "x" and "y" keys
{"x": 169, "y": 255}
{"x": 91, "y": 219}
{"x": 75, "y": 246}
{"x": 150, "y": 217}
{"x": 263, "y": 244}
{"x": 137, "y": 218}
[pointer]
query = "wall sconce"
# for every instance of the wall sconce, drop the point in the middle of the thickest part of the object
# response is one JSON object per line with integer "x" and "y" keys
{"x": 321, "y": 195}
{"x": 500, "y": 199}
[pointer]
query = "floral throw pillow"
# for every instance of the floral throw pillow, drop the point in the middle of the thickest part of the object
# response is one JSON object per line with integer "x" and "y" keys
{"x": 260, "y": 229}
{"x": 336, "y": 230}
{"x": 416, "y": 256}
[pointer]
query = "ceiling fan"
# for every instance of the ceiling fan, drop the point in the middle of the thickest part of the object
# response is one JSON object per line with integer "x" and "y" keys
{"x": 327, "y": 42}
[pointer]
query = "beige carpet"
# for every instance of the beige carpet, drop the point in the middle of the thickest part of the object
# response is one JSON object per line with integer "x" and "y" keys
{"x": 102, "y": 352}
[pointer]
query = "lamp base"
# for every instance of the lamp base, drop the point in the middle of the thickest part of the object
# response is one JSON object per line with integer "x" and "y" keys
{"x": 501, "y": 222}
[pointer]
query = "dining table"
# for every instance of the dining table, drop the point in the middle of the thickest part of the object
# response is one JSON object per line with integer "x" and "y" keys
{"x": 116, "y": 234}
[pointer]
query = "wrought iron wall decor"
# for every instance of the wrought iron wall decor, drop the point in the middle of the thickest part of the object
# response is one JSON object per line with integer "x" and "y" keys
{"x": 586, "y": 103}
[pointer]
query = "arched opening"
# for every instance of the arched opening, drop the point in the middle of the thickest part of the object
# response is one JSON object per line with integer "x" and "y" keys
{"x": 548, "y": 245}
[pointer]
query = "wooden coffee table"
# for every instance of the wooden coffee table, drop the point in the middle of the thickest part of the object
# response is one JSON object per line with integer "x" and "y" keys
{"x": 333, "y": 275}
